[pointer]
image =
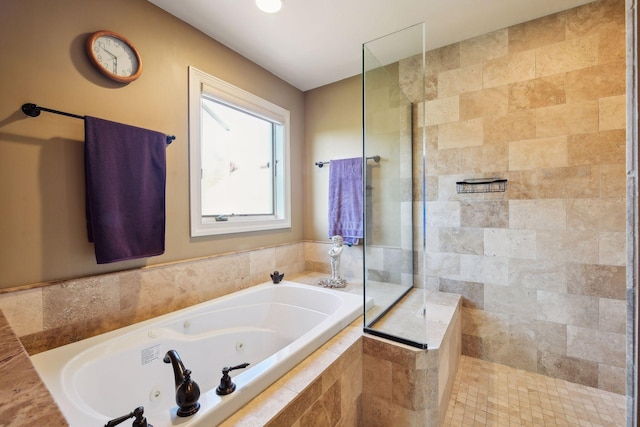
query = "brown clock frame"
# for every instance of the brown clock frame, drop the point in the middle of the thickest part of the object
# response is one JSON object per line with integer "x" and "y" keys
{"x": 94, "y": 61}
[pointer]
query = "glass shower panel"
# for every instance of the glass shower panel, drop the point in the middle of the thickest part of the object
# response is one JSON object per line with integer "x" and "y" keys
{"x": 393, "y": 130}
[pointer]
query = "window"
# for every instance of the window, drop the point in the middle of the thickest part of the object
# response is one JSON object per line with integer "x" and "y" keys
{"x": 238, "y": 159}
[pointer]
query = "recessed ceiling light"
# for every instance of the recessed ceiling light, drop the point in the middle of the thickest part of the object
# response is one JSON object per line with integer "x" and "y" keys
{"x": 269, "y": 6}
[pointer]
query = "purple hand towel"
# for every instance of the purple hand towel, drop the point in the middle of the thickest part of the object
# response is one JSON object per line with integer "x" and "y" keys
{"x": 345, "y": 199}
{"x": 125, "y": 172}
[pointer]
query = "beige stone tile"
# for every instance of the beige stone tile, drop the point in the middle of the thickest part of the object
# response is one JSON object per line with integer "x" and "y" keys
{"x": 567, "y": 119}
{"x": 377, "y": 377}
{"x": 461, "y": 240}
{"x": 79, "y": 300}
{"x": 538, "y": 214}
{"x": 566, "y": 56}
{"x": 379, "y": 412}
{"x": 483, "y": 48}
{"x": 539, "y": 32}
{"x": 606, "y": 147}
{"x": 485, "y": 324}
{"x": 411, "y": 78}
{"x": 262, "y": 260}
{"x": 484, "y": 214}
{"x": 509, "y": 300}
{"x": 460, "y": 80}
{"x": 511, "y": 127}
{"x": 572, "y": 369}
{"x": 307, "y": 371}
{"x": 612, "y": 44}
{"x": 543, "y": 274}
{"x": 447, "y": 187}
{"x": 389, "y": 351}
{"x": 612, "y": 378}
{"x": 442, "y": 264}
{"x": 403, "y": 387}
{"x": 289, "y": 254}
{"x": 613, "y": 316}
{"x": 442, "y": 110}
{"x": 472, "y": 292}
{"x": 513, "y": 354}
{"x": 596, "y": 214}
{"x": 595, "y": 17}
{"x": 568, "y": 309}
{"x": 486, "y": 158}
{"x": 314, "y": 251}
{"x": 443, "y": 162}
{"x": 570, "y": 245}
{"x": 512, "y": 68}
{"x": 489, "y": 394}
{"x": 557, "y": 183}
{"x": 613, "y": 180}
{"x": 602, "y": 281}
{"x": 485, "y": 269}
{"x": 260, "y": 410}
{"x": 612, "y": 112}
{"x": 297, "y": 407}
{"x": 536, "y": 93}
{"x": 538, "y": 153}
{"x": 23, "y": 311}
{"x": 431, "y": 87}
{"x": 602, "y": 347}
{"x": 327, "y": 410}
{"x": 510, "y": 243}
{"x": 443, "y": 59}
{"x": 551, "y": 337}
{"x": 612, "y": 248}
{"x": 487, "y": 102}
{"x": 596, "y": 82}
{"x": 443, "y": 214}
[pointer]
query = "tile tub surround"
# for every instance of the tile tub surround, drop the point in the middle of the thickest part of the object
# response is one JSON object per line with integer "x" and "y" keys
{"x": 326, "y": 388}
{"x": 49, "y": 315}
{"x": 24, "y": 399}
{"x": 541, "y": 267}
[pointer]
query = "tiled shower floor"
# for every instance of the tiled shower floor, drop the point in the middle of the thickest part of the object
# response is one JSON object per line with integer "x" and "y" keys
{"x": 488, "y": 394}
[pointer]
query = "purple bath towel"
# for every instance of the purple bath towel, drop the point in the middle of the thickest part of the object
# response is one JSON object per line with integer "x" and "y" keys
{"x": 345, "y": 199}
{"x": 125, "y": 172}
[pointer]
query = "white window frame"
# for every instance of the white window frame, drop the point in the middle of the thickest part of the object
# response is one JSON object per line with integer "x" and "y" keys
{"x": 199, "y": 83}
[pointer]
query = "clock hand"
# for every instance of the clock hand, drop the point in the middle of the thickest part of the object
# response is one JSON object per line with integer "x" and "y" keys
{"x": 112, "y": 55}
{"x": 115, "y": 60}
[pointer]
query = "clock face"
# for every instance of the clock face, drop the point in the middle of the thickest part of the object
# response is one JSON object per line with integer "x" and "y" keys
{"x": 114, "y": 56}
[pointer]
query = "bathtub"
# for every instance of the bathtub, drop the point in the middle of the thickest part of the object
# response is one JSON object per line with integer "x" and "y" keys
{"x": 272, "y": 327}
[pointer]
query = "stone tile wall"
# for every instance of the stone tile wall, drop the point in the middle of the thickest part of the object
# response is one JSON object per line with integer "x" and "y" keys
{"x": 541, "y": 266}
{"x": 53, "y": 314}
{"x": 323, "y": 390}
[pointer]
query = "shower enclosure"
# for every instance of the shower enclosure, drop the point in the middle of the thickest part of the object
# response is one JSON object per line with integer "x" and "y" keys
{"x": 393, "y": 126}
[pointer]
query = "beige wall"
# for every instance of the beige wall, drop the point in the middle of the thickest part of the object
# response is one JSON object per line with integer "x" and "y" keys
{"x": 42, "y": 225}
{"x": 333, "y": 123}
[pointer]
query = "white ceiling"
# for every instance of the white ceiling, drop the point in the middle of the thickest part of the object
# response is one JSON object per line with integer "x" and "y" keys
{"x": 310, "y": 43}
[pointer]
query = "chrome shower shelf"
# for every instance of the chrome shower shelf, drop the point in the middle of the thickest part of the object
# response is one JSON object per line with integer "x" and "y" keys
{"x": 482, "y": 185}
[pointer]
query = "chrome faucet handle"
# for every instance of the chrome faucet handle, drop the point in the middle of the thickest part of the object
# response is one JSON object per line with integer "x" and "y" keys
{"x": 138, "y": 413}
{"x": 226, "y": 385}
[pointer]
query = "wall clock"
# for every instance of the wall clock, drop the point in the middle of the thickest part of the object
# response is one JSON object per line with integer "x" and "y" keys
{"x": 114, "y": 56}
